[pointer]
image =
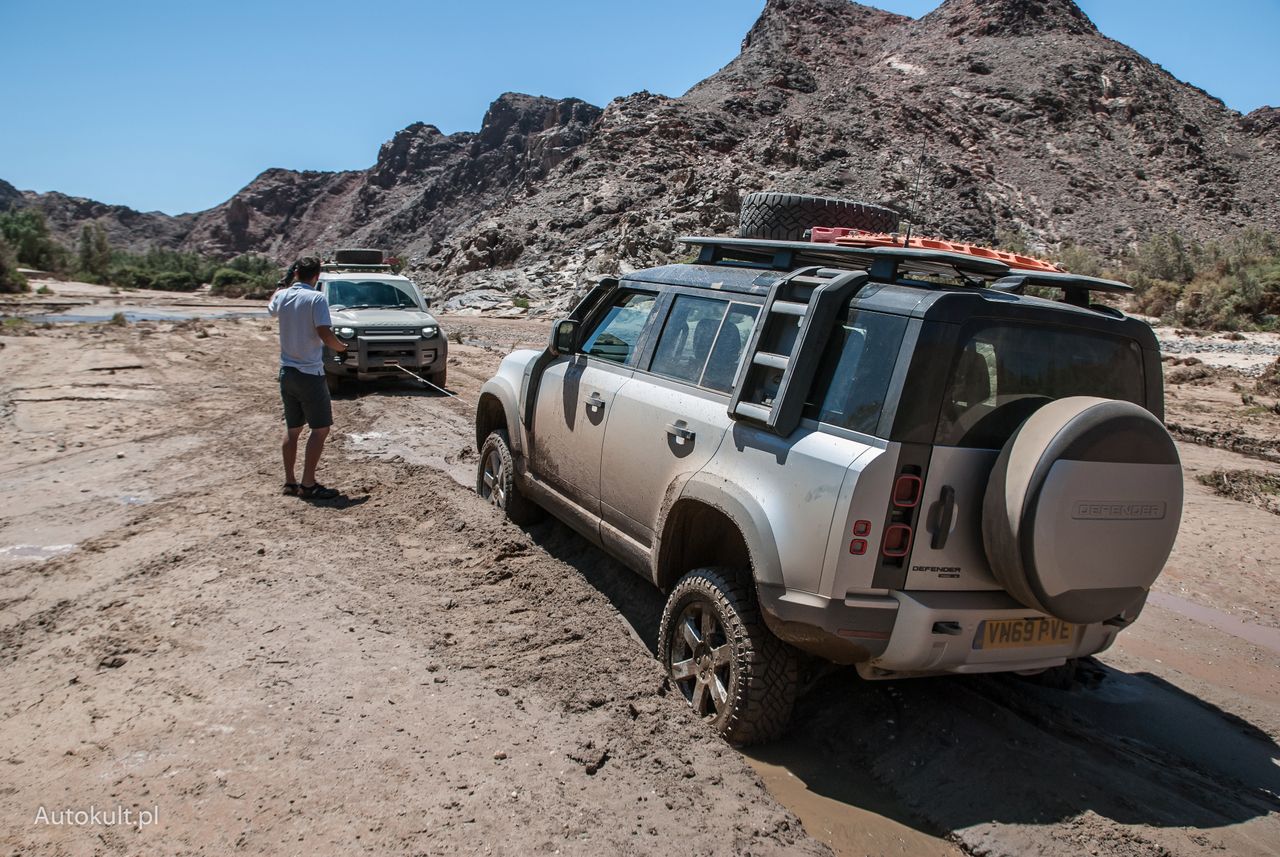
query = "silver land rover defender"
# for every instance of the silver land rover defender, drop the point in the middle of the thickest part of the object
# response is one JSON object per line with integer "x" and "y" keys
{"x": 888, "y": 457}
{"x": 384, "y": 319}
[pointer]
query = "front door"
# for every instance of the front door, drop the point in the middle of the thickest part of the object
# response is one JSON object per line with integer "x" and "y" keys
{"x": 576, "y": 398}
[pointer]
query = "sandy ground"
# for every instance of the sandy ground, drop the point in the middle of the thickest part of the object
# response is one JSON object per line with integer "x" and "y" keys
{"x": 402, "y": 672}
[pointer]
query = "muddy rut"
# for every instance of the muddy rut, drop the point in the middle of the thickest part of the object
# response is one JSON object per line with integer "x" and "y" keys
{"x": 401, "y": 671}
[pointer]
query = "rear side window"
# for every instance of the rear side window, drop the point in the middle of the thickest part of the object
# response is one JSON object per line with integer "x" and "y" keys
{"x": 615, "y": 336}
{"x": 854, "y": 376}
{"x": 1004, "y": 372}
{"x": 702, "y": 341}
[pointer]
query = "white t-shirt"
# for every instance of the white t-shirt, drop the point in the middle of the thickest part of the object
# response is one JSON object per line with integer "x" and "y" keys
{"x": 301, "y": 309}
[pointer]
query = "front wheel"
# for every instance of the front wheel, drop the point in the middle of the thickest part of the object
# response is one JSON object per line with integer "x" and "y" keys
{"x": 718, "y": 653}
{"x": 496, "y": 479}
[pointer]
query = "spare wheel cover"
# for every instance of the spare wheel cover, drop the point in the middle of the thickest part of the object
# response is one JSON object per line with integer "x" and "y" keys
{"x": 1082, "y": 508}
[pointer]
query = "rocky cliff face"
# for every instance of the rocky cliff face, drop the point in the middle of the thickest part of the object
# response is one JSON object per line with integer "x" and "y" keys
{"x": 983, "y": 115}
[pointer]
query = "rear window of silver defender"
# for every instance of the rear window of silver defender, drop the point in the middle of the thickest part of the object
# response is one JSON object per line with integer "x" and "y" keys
{"x": 1005, "y": 371}
{"x": 855, "y": 371}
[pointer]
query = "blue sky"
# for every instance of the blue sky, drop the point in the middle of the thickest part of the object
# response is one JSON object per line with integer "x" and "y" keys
{"x": 176, "y": 105}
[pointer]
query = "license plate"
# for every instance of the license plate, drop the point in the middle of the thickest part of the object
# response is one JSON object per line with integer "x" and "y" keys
{"x": 1019, "y": 633}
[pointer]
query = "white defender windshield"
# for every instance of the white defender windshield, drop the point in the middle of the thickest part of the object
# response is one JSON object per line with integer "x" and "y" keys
{"x": 358, "y": 294}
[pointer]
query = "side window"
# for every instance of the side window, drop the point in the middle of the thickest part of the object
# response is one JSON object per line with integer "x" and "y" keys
{"x": 854, "y": 376}
{"x": 703, "y": 340}
{"x": 687, "y": 338}
{"x": 615, "y": 336}
{"x": 726, "y": 354}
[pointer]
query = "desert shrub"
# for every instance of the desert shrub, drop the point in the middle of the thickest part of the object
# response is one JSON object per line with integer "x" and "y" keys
{"x": 28, "y": 235}
{"x": 247, "y": 276}
{"x": 175, "y": 281}
{"x": 1080, "y": 260}
{"x": 10, "y": 279}
{"x": 224, "y": 277}
{"x": 1216, "y": 286}
{"x": 129, "y": 276}
{"x": 93, "y": 254}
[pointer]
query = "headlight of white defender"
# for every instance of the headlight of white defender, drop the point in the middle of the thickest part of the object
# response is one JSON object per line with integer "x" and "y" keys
{"x": 345, "y": 332}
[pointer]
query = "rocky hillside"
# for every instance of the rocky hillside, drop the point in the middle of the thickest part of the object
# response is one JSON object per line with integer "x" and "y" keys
{"x": 1006, "y": 114}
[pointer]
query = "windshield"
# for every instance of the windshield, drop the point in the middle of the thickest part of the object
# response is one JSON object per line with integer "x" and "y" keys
{"x": 1005, "y": 372}
{"x": 354, "y": 294}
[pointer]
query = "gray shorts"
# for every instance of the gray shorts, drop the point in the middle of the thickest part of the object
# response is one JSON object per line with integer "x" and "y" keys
{"x": 306, "y": 399}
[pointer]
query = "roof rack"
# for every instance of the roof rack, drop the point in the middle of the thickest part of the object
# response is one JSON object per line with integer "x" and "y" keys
{"x": 895, "y": 264}
{"x": 358, "y": 269}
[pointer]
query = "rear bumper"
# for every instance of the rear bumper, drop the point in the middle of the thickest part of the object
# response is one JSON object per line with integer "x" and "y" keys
{"x": 370, "y": 357}
{"x": 918, "y": 633}
{"x": 937, "y": 632}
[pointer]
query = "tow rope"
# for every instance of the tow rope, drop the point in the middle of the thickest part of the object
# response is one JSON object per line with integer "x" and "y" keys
{"x": 429, "y": 384}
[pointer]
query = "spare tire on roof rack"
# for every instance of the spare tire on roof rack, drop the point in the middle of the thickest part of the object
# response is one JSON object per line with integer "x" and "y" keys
{"x": 357, "y": 256}
{"x": 788, "y": 216}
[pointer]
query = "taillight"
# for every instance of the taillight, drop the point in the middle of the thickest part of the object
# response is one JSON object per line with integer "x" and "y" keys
{"x": 907, "y": 491}
{"x": 897, "y": 540}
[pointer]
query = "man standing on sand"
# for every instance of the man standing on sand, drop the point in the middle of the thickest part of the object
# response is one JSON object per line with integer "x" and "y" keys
{"x": 305, "y": 329}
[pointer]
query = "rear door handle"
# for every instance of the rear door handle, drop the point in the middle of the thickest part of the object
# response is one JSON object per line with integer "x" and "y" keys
{"x": 594, "y": 402}
{"x": 946, "y": 513}
{"x": 680, "y": 433}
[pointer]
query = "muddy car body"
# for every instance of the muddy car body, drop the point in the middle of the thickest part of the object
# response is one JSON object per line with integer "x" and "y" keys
{"x": 889, "y": 458}
{"x": 386, "y": 323}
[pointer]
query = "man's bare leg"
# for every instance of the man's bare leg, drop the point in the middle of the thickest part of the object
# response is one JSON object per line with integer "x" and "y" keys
{"x": 289, "y": 448}
{"x": 311, "y": 457}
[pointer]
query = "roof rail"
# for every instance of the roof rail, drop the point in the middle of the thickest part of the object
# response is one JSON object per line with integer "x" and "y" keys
{"x": 895, "y": 264}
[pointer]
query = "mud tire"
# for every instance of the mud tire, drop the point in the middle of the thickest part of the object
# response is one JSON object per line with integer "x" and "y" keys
{"x": 440, "y": 379}
{"x": 763, "y": 672}
{"x": 496, "y": 480}
{"x": 336, "y": 384}
{"x": 787, "y": 216}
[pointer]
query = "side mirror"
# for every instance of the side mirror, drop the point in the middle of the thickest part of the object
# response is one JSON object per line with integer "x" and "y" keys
{"x": 426, "y": 302}
{"x": 564, "y": 337}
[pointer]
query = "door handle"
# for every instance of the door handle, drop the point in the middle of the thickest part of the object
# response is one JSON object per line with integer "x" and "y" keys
{"x": 946, "y": 513}
{"x": 594, "y": 402}
{"x": 680, "y": 433}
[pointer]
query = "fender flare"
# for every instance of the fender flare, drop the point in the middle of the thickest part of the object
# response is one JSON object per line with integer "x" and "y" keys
{"x": 501, "y": 389}
{"x": 743, "y": 510}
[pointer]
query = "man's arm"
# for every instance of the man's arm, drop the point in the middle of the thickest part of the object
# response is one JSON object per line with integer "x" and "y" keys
{"x": 325, "y": 332}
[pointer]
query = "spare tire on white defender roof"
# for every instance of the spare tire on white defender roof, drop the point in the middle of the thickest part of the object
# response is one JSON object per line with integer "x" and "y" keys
{"x": 1082, "y": 508}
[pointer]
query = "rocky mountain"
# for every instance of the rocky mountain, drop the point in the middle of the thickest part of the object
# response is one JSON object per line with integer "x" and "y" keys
{"x": 984, "y": 115}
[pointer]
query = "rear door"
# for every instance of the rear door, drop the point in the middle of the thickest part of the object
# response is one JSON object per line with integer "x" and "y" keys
{"x": 1002, "y": 372}
{"x": 576, "y": 396}
{"x": 670, "y": 418}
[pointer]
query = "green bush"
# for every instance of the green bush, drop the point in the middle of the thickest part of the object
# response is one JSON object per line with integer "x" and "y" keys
{"x": 10, "y": 279}
{"x": 28, "y": 235}
{"x": 1218, "y": 286}
{"x": 175, "y": 281}
{"x": 129, "y": 277}
{"x": 224, "y": 277}
{"x": 235, "y": 282}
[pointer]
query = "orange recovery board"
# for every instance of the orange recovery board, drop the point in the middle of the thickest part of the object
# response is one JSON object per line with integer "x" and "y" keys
{"x": 845, "y": 237}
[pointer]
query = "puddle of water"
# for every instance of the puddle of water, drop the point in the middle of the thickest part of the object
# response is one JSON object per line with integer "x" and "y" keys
{"x": 105, "y": 315}
{"x": 1259, "y": 635}
{"x": 846, "y": 809}
{"x": 36, "y": 552}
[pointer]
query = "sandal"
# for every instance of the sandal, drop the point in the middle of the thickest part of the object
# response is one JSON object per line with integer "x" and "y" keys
{"x": 317, "y": 492}
{"x": 290, "y": 489}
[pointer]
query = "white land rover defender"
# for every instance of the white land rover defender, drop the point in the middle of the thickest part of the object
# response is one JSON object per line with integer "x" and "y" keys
{"x": 881, "y": 456}
{"x": 384, "y": 319}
